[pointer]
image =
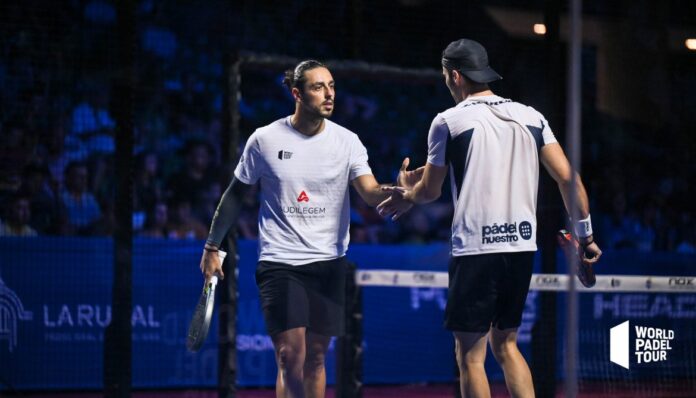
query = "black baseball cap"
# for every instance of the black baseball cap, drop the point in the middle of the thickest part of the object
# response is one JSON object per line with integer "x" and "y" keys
{"x": 471, "y": 59}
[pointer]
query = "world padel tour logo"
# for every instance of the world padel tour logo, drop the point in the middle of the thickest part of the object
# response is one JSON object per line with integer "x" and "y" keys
{"x": 11, "y": 312}
{"x": 506, "y": 232}
{"x": 649, "y": 344}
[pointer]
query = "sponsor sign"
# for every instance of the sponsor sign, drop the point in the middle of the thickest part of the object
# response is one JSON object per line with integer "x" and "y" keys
{"x": 648, "y": 344}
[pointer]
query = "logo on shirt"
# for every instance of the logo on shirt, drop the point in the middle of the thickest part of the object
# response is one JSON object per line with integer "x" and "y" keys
{"x": 304, "y": 211}
{"x": 284, "y": 155}
{"x": 526, "y": 230}
{"x": 506, "y": 232}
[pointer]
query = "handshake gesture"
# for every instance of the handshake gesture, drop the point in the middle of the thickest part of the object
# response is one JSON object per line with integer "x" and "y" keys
{"x": 400, "y": 199}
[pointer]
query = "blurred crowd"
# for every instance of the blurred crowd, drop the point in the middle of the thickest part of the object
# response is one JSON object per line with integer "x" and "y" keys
{"x": 57, "y": 139}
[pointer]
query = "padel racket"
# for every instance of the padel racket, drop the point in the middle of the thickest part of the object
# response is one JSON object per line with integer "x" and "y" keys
{"x": 571, "y": 248}
{"x": 200, "y": 322}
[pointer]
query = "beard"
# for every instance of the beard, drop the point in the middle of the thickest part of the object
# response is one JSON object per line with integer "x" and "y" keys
{"x": 325, "y": 113}
{"x": 318, "y": 112}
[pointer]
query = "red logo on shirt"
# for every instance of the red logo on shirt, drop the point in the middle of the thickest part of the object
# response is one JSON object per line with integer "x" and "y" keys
{"x": 303, "y": 197}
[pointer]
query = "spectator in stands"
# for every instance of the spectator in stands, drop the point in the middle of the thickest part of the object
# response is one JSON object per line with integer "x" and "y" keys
{"x": 687, "y": 241}
{"x": 619, "y": 226}
{"x": 194, "y": 182}
{"x": 80, "y": 207}
{"x": 92, "y": 126}
{"x": 16, "y": 221}
{"x": 688, "y": 244}
{"x": 54, "y": 153}
{"x": 148, "y": 185}
{"x": 36, "y": 187}
{"x": 209, "y": 202}
{"x": 418, "y": 227}
{"x": 14, "y": 152}
{"x": 183, "y": 224}
{"x": 156, "y": 222}
{"x": 645, "y": 234}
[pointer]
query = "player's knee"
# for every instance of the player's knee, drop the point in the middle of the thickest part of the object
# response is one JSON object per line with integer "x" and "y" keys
{"x": 289, "y": 357}
{"x": 469, "y": 358}
{"x": 314, "y": 362}
{"x": 503, "y": 348}
{"x": 470, "y": 363}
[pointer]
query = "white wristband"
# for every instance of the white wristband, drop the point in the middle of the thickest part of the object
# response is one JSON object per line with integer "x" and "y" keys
{"x": 583, "y": 228}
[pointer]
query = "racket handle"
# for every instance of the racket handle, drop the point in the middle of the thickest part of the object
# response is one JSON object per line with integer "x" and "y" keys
{"x": 213, "y": 281}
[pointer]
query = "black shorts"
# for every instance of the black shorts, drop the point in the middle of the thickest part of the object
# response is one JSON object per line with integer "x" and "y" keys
{"x": 310, "y": 295}
{"x": 487, "y": 290}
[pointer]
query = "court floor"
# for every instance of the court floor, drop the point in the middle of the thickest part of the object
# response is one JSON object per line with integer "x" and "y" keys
{"x": 589, "y": 390}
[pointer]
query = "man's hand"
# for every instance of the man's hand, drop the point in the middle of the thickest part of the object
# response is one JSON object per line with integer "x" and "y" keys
{"x": 590, "y": 253}
{"x": 211, "y": 264}
{"x": 397, "y": 203}
{"x": 586, "y": 251}
{"x": 409, "y": 178}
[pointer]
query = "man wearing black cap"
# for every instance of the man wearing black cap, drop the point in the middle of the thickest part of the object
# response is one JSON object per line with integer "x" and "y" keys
{"x": 492, "y": 147}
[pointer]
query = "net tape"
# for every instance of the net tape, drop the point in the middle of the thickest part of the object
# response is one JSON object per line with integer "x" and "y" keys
{"x": 539, "y": 282}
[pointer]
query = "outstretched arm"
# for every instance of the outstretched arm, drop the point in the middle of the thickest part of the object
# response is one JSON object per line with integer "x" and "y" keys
{"x": 556, "y": 163}
{"x": 225, "y": 217}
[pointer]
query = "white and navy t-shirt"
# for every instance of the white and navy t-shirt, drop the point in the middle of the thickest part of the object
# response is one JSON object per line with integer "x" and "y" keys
{"x": 304, "y": 211}
{"x": 491, "y": 145}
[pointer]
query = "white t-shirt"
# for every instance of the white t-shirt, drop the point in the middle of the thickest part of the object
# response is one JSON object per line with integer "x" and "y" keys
{"x": 491, "y": 145}
{"x": 304, "y": 212}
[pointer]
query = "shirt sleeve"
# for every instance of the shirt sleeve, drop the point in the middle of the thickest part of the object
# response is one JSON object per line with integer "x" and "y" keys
{"x": 358, "y": 160}
{"x": 437, "y": 141}
{"x": 546, "y": 134}
{"x": 251, "y": 163}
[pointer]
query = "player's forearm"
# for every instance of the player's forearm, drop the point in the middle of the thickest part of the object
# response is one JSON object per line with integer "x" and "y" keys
{"x": 370, "y": 190}
{"x": 582, "y": 205}
{"x": 374, "y": 195}
{"x": 227, "y": 213}
{"x": 421, "y": 194}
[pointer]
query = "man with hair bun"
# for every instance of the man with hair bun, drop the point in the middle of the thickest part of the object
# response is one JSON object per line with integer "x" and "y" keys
{"x": 492, "y": 148}
{"x": 304, "y": 164}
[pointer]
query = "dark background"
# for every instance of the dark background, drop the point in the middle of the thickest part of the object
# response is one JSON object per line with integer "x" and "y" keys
{"x": 59, "y": 67}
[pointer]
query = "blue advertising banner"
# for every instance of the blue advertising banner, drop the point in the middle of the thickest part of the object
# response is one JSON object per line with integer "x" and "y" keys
{"x": 55, "y": 296}
{"x": 599, "y": 312}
